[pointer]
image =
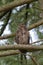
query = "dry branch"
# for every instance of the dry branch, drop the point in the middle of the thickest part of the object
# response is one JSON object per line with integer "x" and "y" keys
{"x": 40, "y": 22}
{"x": 34, "y": 60}
{"x": 37, "y": 41}
{"x": 7, "y": 36}
{"x": 29, "y": 48}
{"x": 14, "y": 4}
{"x": 9, "y": 53}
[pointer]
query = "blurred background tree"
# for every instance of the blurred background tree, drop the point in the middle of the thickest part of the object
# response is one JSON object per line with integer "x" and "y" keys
{"x": 27, "y": 14}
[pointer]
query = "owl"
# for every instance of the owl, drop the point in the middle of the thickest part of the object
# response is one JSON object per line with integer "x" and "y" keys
{"x": 22, "y": 36}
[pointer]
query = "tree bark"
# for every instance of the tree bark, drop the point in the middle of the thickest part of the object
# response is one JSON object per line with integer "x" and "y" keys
{"x": 29, "y": 48}
{"x": 9, "y": 53}
{"x": 14, "y": 4}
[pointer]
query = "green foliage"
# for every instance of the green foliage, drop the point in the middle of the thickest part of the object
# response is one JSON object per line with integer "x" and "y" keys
{"x": 3, "y": 2}
{"x": 10, "y": 60}
{"x": 40, "y": 61}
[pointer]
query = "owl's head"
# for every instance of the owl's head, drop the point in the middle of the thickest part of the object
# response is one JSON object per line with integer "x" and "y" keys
{"x": 22, "y": 27}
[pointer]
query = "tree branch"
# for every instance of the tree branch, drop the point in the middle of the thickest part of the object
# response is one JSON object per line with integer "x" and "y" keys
{"x": 9, "y": 53}
{"x": 14, "y": 4}
{"x": 33, "y": 59}
{"x": 38, "y": 41}
{"x": 7, "y": 36}
{"x": 40, "y": 22}
{"x": 29, "y": 48}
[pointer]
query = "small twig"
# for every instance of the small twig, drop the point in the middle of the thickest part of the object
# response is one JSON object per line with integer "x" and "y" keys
{"x": 33, "y": 59}
{"x": 37, "y": 41}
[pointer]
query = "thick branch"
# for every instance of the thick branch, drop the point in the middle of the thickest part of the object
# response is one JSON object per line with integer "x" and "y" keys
{"x": 14, "y": 4}
{"x": 29, "y": 48}
{"x": 9, "y": 53}
{"x": 40, "y": 22}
